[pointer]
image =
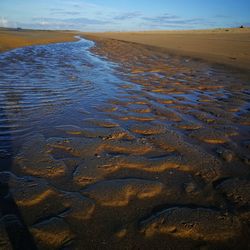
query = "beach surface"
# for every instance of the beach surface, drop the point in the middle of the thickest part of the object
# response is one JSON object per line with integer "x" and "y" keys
{"x": 119, "y": 145}
{"x": 16, "y": 38}
{"x": 223, "y": 46}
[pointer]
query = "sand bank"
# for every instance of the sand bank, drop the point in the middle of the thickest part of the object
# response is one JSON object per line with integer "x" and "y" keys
{"x": 14, "y": 38}
{"x": 226, "y": 46}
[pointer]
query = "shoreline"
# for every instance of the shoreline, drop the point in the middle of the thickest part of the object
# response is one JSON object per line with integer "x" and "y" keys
{"x": 221, "y": 46}
{"x": 18, "y": 38}
{"x": 225, "y": 47}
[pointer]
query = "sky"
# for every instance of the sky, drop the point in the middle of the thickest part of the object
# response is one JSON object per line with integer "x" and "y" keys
{"x": 124, "y": 15}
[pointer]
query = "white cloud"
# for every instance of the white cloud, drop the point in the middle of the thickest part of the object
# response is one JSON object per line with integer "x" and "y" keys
{"x": 4, "y": 22}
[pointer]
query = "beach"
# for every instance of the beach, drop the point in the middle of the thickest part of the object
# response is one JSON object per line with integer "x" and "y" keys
{"x": 223, "y": 46}
{"x": 126, "y": 141}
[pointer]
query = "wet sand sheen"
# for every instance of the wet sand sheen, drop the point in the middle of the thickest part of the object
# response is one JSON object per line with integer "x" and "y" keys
{"x": 149, "y": 151}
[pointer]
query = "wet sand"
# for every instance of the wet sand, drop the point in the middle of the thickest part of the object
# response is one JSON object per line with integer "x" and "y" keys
{"x": 224, "y": 46}
{"x": 14, "y": 38}
{"x": 161, "y": 162}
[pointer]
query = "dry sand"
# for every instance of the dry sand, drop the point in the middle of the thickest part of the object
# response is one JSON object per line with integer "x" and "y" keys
{"x": 13, "y": 38}
{"x": 226, "y": 46}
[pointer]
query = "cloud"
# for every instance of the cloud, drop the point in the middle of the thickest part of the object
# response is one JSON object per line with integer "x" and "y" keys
{"x": 56, "y": 9}
{"x": 68, "y": 23}
{"x": 64, "y": 13}
{"x": 160, "y": 19}
{"x": 86, "y": 21}
{"x": 221, "y": 16}
{"x": 83, "y": 4}
{"x": 4, "y": 22}
{"x": 172, "y": 21}
{"x": 128, "y": 15}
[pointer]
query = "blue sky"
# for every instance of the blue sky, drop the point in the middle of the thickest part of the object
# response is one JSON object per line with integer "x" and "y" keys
{"x": 110, "y": 15}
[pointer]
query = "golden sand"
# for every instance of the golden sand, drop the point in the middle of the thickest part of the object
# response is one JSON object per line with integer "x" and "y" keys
{"x": 13, "y": 38}
{"x": 226, "y": 46}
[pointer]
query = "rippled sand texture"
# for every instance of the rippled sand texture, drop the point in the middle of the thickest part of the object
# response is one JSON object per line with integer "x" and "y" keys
{"x": 159, "y": 160}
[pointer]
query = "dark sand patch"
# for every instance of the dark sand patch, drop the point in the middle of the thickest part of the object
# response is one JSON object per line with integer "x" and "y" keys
{"x": 197, "y": 224}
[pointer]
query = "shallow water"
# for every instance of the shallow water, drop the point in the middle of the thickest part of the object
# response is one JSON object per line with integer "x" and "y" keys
{"x": 130, "y": 149}
{"x": 40, "y": 85}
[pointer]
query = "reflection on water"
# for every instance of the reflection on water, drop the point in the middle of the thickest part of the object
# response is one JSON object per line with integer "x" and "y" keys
{"x": 41, "y": 81}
